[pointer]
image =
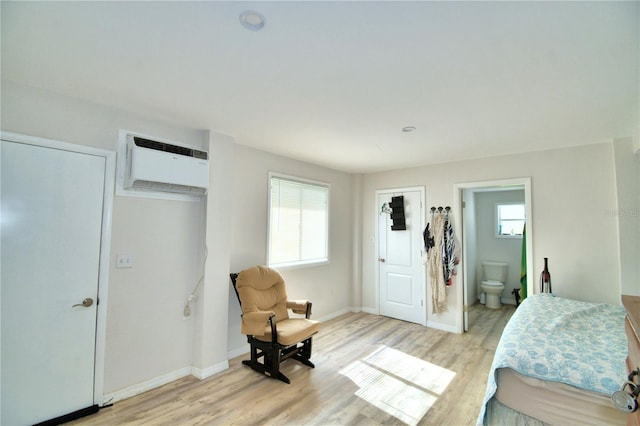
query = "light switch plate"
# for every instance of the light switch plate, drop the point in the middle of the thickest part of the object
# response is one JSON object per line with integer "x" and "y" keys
{"x": 124, "y": 261}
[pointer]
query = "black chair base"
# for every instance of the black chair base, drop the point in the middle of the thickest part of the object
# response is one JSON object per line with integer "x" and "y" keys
{"x": 274, "y": 354}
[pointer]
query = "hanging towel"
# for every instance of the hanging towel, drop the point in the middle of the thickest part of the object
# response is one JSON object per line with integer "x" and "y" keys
{"x": 435, "y": 266}
{"x": 450, "y": 253}
{"x": 428, "y": 238}
{"x": 442, "y": 257}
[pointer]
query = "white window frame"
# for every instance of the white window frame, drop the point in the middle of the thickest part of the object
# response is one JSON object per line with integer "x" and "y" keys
{"x": 497, "y": 218}
{"x": 297, "y": 263}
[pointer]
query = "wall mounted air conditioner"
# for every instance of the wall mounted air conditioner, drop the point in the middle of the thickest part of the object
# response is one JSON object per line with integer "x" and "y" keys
{"x": 158, "y": 166}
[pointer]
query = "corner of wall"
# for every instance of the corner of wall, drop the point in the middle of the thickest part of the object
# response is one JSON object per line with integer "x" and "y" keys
{"x": 627, "y": 213}
{"x": 211, "y": 316}
{"x": 357, "y": 242}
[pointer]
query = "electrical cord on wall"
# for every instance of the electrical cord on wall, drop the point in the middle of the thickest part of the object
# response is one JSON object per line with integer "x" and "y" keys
{"x": 186, "y": 312}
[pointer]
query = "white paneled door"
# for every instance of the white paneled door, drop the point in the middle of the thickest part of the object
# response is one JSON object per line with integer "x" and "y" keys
{"x": 401, "y": 272}
{"x": 51, "y": 217}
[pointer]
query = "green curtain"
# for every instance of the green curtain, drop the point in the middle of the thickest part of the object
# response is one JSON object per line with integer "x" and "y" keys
{"x": 523, "y": 265}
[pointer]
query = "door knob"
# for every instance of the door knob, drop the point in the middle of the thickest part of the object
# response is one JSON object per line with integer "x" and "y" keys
{"x": 381, "y": 260}
{"x": 86, "y": 303}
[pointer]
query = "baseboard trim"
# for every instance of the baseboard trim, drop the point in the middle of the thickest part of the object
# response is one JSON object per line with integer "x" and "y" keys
{"x": 371, "y": 311}
{"x": 209, "y": 371}
{"x": 156, "y": 382}
{"x": 333, "y": 315}
{"x": 147, "y": 385}
{"x": 444, "y": 327}
{"x": 238, "y": 352}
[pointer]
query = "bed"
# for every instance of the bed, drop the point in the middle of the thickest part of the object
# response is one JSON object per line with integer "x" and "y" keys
{"x": 558, "y": 362}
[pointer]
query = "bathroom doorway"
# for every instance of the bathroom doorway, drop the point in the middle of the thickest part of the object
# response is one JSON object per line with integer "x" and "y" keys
{"x": 481, "y": 239}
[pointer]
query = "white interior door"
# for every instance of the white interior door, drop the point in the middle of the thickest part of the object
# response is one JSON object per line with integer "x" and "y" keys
{"x": 51, "y": 216}
{"x": 401, "y": 271}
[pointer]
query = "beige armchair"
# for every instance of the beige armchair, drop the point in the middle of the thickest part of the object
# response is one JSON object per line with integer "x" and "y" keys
{"x": 273, "y": 336}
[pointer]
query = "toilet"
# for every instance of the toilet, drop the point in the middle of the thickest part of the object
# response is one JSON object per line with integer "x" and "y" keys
{"x": 495, "y": 275}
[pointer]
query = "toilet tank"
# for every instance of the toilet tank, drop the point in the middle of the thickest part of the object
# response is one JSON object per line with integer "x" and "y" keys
{"x": 495, "y": 271}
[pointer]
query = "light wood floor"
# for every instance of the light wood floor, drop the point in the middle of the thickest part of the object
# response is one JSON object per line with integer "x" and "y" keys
{"x": 322, "y": 396}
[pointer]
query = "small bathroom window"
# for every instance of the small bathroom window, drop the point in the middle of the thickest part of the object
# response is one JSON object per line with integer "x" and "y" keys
{"x": 510, "y": 219}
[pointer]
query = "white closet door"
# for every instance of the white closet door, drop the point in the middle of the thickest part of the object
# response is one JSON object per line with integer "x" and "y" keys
{"x": 401, "y": 273}
{"x": 51, "y": 216}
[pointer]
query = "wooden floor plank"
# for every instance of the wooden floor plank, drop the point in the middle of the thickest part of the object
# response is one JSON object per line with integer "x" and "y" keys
{"x": 323, "y": 396}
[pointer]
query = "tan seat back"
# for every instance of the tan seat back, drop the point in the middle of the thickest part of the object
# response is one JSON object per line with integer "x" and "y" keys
{"x": 262, "y": 289}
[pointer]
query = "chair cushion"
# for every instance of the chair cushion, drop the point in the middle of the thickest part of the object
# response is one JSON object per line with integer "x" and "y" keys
{"x": 262, "y": 289}
{"x": 292, "y": 330}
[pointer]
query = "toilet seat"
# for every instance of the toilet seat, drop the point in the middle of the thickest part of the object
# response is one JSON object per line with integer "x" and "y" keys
{"x": 492, "y": 283}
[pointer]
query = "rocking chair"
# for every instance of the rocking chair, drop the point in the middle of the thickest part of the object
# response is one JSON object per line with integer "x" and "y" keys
{"x": 273, "y": 336}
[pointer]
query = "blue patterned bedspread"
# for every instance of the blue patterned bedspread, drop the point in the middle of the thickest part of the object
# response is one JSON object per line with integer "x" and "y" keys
{"x": 562, "y": 340}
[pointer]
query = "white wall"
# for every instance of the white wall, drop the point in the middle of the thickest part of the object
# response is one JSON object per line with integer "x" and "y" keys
{"x": 628, "y": 214}
{"x": 328, "y": 287}
{"x": 572, "y": 189}
{"x": 146, "y": 336}
{"x": 493, "y": 249}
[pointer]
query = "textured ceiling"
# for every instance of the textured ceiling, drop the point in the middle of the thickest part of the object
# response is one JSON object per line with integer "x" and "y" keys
{"x": 333, "y": 83}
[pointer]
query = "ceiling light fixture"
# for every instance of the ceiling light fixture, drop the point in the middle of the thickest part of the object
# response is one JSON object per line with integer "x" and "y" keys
{"x": 252, "y": 20}
{"x": 408, "y": 129}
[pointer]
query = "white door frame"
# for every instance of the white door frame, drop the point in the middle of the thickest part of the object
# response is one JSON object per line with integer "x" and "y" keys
{"x": 105, "y": 242}
{"x": 457, "y": 197}
{"x": 377, "y": 244}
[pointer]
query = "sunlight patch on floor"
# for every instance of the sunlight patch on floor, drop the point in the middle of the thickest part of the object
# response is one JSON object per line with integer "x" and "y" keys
{"x": 401, "y": 385}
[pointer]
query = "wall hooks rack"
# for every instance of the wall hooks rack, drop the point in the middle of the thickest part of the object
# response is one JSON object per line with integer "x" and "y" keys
{"x": 440, "y": 209}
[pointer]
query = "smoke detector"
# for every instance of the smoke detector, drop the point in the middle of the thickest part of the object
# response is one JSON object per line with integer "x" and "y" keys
{"x": 252, "y": 20}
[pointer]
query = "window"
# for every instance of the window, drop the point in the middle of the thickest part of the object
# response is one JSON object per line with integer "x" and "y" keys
{"x": 298, "y": 221}
{"x": 510, "y": 220}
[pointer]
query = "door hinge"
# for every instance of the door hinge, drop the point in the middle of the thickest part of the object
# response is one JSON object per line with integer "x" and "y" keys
{"x": 463, "y": 205}
{"x": 422, "y": 303}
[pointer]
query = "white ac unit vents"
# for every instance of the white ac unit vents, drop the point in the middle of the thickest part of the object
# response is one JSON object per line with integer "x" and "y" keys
{"x": 149, "y": 166}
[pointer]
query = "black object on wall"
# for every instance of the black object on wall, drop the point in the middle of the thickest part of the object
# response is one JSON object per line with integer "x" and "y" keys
{"x": 397, "y": 213}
